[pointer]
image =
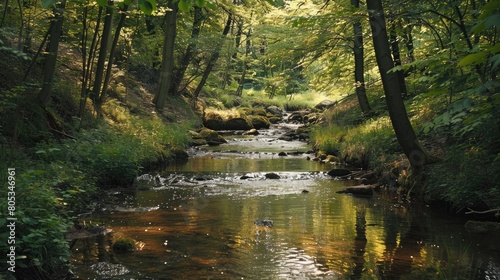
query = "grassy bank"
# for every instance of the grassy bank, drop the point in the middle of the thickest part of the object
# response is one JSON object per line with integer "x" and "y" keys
{"x": 63, "y": 164}
{"x": 463, "y": 135}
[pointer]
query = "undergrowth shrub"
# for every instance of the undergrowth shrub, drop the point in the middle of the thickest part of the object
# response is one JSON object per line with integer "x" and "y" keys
{"x": 465, "y": 178}
{"x": 42, "y": 212}
{"x": 366, "y": 145}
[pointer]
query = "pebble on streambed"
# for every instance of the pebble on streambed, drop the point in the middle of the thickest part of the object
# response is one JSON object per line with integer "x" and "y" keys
{"x": 264, "y": 223}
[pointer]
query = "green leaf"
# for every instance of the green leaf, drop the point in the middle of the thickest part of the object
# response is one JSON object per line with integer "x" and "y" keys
{"x": 489, "y": 8}
{"x": 200, "y": 3}
{"x": 495, "y": 61}
{"x": 48, "y": 3}
{"x": 473, "y": 58}
{"x": 102, "y": 3}
{"x": 184, "y": 6}
{"x": 147, "y": 6}
{"x": 211, "y": 5}
{"x": 395, "y": 69}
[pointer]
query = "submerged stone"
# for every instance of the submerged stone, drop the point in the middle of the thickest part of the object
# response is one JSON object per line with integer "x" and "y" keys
{"x": 264, "y": 223}
{"x": 272, "y": 176}
{"x": 337, "y": 172}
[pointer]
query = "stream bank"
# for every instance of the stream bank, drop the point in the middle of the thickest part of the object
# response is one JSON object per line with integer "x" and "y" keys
{"x": 203, "y": 219}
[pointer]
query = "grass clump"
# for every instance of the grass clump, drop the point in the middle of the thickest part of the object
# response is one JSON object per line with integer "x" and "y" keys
{"x": 367, "y": 145}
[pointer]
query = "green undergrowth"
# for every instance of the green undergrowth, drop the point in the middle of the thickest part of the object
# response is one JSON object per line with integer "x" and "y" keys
{"x": 463, "y": 135}
{"x": 60, "y": 175}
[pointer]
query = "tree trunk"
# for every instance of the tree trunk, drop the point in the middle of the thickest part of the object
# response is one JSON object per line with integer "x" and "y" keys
{"x": 213, "y": 59}
{"x": 405, "y": 134}
{"x": 87, "y": 62}
{"x": 359, "y": 67}
{"x": 396, "y": 55}
{"x": 188, "y": 55}
{"x": 167, "y": 62}
{"x": 101, "y": 60}
{"x": 111, "y": 57}
{"x": 52, "y": 50}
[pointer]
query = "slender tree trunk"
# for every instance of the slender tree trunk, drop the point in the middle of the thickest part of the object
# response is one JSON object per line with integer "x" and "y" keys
{"x": 4, "y": 14}
{"x": 33, "y": 60}
{"x": 397, "y": 58}
{"x": 359, "y": 67}
{"x": 248, "y": 50}
{"x": 87, "y": 62}
{"x": 405, "y": 134}
{"x": 111, "y": 57}
{"x": 167, "y": 62}
{"x": 237, "y": 38}
{"x": 52, "y": 50}
{"x": 213, "y": 59}
{"x": 188, "y": 55}
{"x": 101, "y": 60}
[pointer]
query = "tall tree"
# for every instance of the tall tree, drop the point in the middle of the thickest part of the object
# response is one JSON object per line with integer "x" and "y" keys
{"x": 167, "y": 62}
{"x": 114, "y": 44}
{"x": 190, "y": 50}
{"x": 405, "y": 134}
{"x": 359, "y": 64}
{"x": 49, "y": 67}
{"x": 101, "y": 60}
{"x": 213, "y": 57}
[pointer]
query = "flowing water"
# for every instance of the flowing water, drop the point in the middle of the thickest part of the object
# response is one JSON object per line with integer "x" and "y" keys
{"x": 196, "y": 220}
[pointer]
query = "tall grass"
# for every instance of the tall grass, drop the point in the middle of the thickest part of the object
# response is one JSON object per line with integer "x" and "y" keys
{"x": 367, "y": 145}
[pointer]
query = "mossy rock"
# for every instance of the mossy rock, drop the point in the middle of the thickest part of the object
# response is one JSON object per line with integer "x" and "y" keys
{"x": 212, "y": 137}
{"x": 260, "y": 122}
{"x": 124, "y": 245}
{"x": 213, "y": 121}
{"x": 178, "y": 153}
{"x": 237, "y": 123}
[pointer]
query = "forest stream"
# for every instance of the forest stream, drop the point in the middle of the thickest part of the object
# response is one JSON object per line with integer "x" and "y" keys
{"x": 219, "y": 216}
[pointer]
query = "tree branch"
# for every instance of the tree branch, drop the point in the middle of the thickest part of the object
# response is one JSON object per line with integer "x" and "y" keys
{"x": 482, "y": 212}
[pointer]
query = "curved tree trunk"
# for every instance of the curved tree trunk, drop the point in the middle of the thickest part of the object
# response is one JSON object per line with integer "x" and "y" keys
{"x": 359, "y": 67}
{"x": 405, "y": 134}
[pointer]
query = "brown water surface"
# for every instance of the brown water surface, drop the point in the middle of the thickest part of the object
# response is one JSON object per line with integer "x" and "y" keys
{"x": 196, "y": 221}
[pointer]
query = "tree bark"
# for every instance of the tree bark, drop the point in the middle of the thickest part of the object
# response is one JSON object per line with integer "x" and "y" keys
{"x": 52, "y": 50}
{"x": 188, "y": 55}
{"x": 87, "y": 61}
{"x": 167, "y": 62}
{"x": 213, "y": 59}
{"x": 111, "y": 57}
{"x": 359, "y": 67}
{"x": 396, "y": 55}
{"x": 101, "y": 59}
{"x": 405, "y": 134}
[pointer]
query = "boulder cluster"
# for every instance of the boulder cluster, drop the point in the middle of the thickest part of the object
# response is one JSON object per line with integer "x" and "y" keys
{"x": 251, "y": 123}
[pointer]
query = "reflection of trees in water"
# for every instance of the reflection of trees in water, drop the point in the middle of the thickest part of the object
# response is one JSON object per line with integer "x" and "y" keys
{"x": 359, "y": 243}
{"x": 399, "y": 257}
